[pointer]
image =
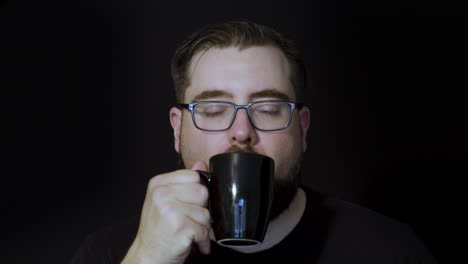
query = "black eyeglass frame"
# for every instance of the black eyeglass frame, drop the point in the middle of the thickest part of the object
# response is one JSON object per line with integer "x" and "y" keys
{"x": 292, "y": 107}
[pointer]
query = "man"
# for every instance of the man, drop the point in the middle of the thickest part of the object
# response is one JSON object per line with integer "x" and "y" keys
{"x": 242, "y": 63}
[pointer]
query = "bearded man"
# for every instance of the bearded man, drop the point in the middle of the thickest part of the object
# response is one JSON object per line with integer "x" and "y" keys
{"x": 244, "y": 68}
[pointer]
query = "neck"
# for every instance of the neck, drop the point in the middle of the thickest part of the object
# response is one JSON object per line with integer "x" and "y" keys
{"x": 281, "y": 226}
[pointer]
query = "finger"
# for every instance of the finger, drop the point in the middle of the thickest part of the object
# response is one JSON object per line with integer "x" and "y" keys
{"x": 194, "y": 193}
{"x": 180, "y": 176}
{"x": 196, "y": 213}
{"x": 212, "y": 235}
{"x": 204, "y": 246}
{"x": 201, "y": 237}
{"x": 185, "y": 231}
{"x": 200, "y": 165}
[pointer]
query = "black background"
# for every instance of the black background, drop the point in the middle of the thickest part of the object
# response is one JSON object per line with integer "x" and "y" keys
{"x": 86, "y": 90}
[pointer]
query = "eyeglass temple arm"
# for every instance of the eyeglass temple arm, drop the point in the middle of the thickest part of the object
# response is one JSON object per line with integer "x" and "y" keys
{"x": 183, "y": 106}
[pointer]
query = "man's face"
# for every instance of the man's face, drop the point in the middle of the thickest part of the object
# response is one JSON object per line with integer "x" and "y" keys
{"x": 253, "y": 74}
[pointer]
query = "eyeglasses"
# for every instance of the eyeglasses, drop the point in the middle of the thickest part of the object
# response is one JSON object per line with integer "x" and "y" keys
{"x": 220, "y": 115}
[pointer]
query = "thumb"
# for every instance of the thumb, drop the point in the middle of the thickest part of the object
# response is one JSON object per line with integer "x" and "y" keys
{"x": 200, "y": 165}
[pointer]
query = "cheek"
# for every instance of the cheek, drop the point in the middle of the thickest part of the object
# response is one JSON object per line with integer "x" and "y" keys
{"x": 190, "y": 148}
{"x": 284, "y": 149}
{"x": 197, "y": 145}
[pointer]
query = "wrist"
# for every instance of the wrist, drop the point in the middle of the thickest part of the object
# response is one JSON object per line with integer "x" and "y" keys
{"x": 135, "y": 255}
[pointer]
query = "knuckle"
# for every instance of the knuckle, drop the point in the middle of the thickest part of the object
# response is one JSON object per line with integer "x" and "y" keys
{"x": 168, "y": 209}
{"x": 202, "y": 234}
{"x": 186, "y": 242}
{"x": 202, "y": 193}
{"x": 177, "y": 223}
{"x": 157, "y": 180}
{"x": 196, "y": 177}
{"x": 153, "y": 181}
{"x": 206, "y": 216}
{"x": 159, "y": 194}
{"x": 191, "y": 176}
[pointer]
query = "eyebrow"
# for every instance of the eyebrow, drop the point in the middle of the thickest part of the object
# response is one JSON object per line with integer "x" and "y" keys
{"x": 270, "y": 93}
{"x": 274, "y": 93}
{"x": 210, "y": 94}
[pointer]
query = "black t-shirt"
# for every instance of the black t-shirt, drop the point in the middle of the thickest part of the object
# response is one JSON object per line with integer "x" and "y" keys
{"x": 330, "y": 231}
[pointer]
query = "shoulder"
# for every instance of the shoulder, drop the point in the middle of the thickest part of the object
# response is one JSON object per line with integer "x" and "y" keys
{"x": 355, "y": 230}
{"x": 109, "y": 244}
{"x": 347, "y": 214}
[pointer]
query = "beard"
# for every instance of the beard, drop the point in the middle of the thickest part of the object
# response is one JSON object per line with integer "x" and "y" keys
{"x": 284, "y": 186}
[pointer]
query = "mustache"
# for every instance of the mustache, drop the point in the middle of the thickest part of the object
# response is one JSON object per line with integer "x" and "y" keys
{"x": 237, "y": 148}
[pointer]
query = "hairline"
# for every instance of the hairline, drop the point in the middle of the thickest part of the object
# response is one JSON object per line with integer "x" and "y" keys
{"x": 204, "y": 48}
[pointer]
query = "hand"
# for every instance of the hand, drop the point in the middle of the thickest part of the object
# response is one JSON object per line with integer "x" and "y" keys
{"x": 174, "y": 216}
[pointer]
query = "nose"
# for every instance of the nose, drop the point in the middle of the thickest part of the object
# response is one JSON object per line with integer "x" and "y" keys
{"x": 242, "y": 132}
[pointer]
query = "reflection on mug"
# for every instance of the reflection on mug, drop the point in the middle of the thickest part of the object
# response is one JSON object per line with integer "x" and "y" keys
{"x": 240, "y": 218}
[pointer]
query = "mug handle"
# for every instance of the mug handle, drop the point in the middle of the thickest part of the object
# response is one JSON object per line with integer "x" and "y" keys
{"x": 205, "y": 179}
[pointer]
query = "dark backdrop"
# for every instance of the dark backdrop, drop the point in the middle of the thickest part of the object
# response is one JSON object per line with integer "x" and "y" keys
{"x": 86, "y": 90}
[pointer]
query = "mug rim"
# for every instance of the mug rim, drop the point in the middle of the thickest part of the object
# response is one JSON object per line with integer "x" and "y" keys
{"x": 241, "y": 153}
{"x": 253, "y": 241}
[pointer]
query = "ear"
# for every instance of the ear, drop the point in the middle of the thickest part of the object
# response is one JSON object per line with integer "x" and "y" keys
{"x": 304, "y": 120}
{"x": 175, "y": 116}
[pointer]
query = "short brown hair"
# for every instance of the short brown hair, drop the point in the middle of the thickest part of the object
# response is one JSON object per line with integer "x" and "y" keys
{"x": 241, "y": 34}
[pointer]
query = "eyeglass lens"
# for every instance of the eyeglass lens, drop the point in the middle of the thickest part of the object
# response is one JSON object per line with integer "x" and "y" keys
{"x": 264, "y": 115}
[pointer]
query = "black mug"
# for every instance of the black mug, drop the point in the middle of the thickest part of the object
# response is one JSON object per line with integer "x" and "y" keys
{"x": 240, "y": 186}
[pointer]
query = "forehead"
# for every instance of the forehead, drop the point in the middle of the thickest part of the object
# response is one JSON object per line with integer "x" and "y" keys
{"x": 239, "y": 73}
